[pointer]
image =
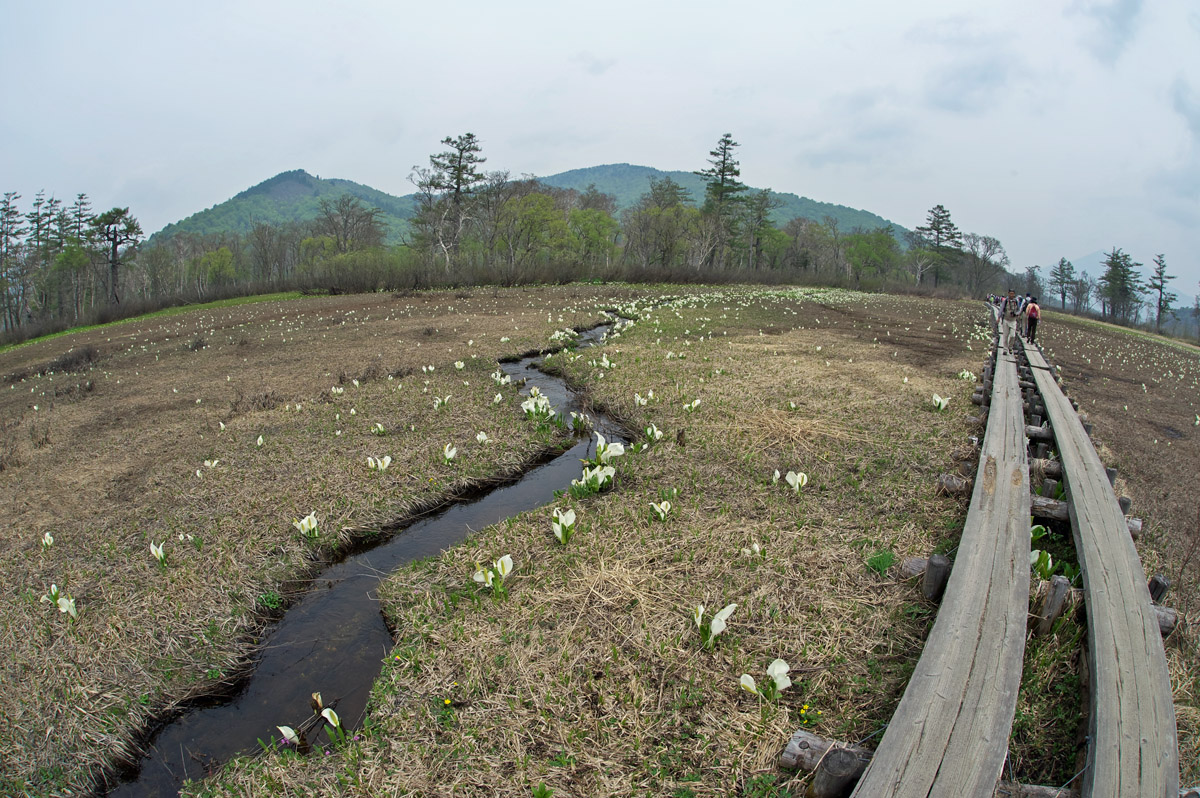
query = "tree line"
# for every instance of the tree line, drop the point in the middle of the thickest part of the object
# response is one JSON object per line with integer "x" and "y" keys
{"x": 62, "y": 264}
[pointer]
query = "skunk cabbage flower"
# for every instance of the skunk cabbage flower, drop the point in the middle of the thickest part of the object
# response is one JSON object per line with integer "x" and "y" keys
{"x": 718, "y": 622}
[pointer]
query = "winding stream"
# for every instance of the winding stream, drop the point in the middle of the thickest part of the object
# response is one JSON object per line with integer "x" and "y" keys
{"x": 333, "y": 639}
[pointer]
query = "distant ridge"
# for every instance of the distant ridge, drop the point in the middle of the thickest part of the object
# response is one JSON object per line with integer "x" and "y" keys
{"x": 295, "y": 196}
{"x": 627, "y": 182}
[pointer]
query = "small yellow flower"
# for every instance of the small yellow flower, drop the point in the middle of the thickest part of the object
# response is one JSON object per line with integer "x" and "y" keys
{"x": 446, "y": 701}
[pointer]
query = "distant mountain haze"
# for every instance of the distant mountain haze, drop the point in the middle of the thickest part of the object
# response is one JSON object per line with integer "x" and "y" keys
{"x": 296, "y": 196}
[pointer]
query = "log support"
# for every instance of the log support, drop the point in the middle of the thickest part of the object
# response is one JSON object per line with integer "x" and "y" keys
{"x": 937, "y": 573}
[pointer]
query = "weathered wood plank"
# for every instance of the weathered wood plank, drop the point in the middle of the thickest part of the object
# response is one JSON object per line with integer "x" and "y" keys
{"x": 949, "y": 735}
{"x": 1133, "y": 749}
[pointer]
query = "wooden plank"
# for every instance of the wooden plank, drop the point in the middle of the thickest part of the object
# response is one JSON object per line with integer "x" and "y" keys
{"x": 949, "y": 735}
{"x": 1133, "y": 749}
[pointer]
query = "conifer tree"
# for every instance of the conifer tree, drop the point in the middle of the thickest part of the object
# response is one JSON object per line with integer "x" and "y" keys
{"x": 942, "y": 238}
{"x": 1158, "y": 283}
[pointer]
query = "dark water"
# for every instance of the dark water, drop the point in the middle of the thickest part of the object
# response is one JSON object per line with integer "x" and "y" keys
{"x": 333, "y": 640}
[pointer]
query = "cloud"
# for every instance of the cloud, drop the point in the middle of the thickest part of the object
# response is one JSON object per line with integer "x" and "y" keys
{"x": 1116, "y": 22}
{"x": 969, "y": 85}
{"x": 1186, "y": 102}
{"x": 593, "y": 64}
{"x": 859, "y": 127}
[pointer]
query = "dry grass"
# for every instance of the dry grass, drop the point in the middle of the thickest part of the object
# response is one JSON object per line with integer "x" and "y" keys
{"x": 591, "y": 677}
{"x": 109, "y": 471}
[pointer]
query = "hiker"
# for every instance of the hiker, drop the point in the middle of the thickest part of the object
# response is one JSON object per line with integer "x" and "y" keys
{"x": 1024, "y": 320}
{"x": 1033, "y": 312}
{"x": 1010, "y": 310}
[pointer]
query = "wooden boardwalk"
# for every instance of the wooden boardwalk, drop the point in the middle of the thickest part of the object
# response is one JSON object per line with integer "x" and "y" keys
{"x": 949, "y": 735}
{"x": 1132, "y": 745}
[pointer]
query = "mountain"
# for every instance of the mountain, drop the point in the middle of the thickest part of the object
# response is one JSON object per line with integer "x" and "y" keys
{"x": 296, "y": 196}
{"x": 291, "y": 197}
{"x": 628, "y": 182}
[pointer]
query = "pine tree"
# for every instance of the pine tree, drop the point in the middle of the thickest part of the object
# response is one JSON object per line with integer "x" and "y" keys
{"x": 1062, "y": 275}
{"x": 1158, "y": 283}
{"x": 116, "y": 229}
{"x": 721, "y": 198}
{"x": 942, "y": 238}
{"x": 1121, "y": 286}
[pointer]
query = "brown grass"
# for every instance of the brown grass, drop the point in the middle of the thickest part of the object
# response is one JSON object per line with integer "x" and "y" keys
{"x": 590, "y": 677}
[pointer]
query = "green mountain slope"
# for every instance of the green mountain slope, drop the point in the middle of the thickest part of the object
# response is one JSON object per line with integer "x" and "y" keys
{"x": 291, "y": 197}
{"x": 296, "y": 197}
{"x": 628, "y": 182}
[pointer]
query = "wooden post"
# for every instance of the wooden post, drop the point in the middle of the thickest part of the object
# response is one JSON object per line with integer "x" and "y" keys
{"x": 1045, "y": 507}
{"x": 1125, "y": 503}
{"x": 1135, "y": 527}
{"x": 835, "y": 775}
{"x": 1035, "y": 420}
{"x": 1112, "y": 475}
{"x": 1042, "y": 450}
{"x": 937, "y": 573}
{"x": 1159, "y": 585}
{"x": 1050, "y": 488}
{"x": 1051, "y": 468}
{"x": 1052, "y": 606}
{"x": 1039, "y": 433}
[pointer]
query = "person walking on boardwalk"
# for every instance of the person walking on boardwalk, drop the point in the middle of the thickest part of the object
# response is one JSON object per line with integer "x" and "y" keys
{"x": 1010, "y": 311}
{"x": 1033, "y": 312}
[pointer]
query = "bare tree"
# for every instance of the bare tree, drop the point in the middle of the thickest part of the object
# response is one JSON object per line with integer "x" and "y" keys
{"x": 984, "y": 261}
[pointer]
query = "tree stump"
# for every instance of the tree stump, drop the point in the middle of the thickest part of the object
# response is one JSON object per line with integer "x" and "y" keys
{"x": 1159, "y": 585}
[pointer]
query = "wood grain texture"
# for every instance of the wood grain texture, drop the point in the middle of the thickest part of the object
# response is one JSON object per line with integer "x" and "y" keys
{"x": 949, "y": 735}
{"x": 1133, "y": 749}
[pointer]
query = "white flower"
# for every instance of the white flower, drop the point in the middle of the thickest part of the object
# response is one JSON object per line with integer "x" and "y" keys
{"x": 448, "y": 452}
{"x": 485, "y": 576}
{"x": 778, "y": 671}
{"x": 661, "y": 510}
{"x": 289, "y": 734}
{"x": 606, "y": 451}
{"x": 504, "y": 565}
{"x": 941, "y": 403}
{"x": 331, "y": 716}
{"x": 718, "y": 622}
{"x": 307, "y": 525}
{"x": 775, "y": 477}
{"x": 47, "y": 540}
{"x": 796, "y": 480}
{"x": 67, "y": 605}
{"x": 355, "y": 382}
{"x": 498, "y": 399}
{"x": 698, "y": 615}
{"x": 157, "y": 551}
{"x": 482, "y": 437}
{"x": 563, "y": 524}
{"x": 748, "y": 684}
{"x": 259, "y": 442}
{"x": 211, "y": 463}
{"x": 458, "y": 364}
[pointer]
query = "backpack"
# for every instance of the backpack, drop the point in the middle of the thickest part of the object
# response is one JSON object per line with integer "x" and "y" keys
{"x": 1034, "y": 311}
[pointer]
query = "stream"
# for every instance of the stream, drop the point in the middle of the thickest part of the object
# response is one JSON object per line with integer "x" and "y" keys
{"x": 333, "y": 639}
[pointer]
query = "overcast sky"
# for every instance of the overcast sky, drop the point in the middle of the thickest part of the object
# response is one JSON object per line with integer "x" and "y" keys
{"x": 1061, "y": 128}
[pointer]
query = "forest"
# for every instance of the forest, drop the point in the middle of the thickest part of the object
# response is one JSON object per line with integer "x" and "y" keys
{"x": 62, "y": 265}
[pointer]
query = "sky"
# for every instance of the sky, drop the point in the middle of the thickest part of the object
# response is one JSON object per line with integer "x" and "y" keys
{"x": 1060, "y": 128}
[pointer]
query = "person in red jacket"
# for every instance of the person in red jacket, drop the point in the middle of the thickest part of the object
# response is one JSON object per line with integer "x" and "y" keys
{"x": 1033, "y": 312}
